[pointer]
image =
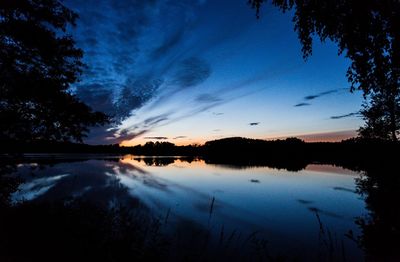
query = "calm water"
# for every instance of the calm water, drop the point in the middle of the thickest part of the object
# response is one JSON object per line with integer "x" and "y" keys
{"x": 300, "y": 213}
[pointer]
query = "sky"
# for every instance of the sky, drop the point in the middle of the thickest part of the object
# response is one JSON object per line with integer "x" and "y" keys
{"x": 190, "y": 71}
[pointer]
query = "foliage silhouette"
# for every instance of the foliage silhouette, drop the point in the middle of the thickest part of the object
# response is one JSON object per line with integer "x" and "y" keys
{"x": 368, "y": 33}
{"x": 38, "y": 63}
{"x": 380, "y": 236}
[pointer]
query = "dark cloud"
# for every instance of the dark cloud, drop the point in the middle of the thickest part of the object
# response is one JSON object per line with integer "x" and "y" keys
{"x": 302, "y": 104}
{"x": 127, "y": 102}
{"x": 315, "y": 96}
{"x": 118, "y": 26}
{"x": 345, "y": 116}
{"x": 135, "y": 94}
{"x": 254, "y": 123}
{"x": 344, "y": 189}
{"x": 207, "y": 98}
{"x": 168, "y": 44}
{"x": 101, "y": 135}
{"x": 132, "y": 46}
{"x": 312, "y": 97}
{"x": 156, "y": 137}
{"x": 191, "y": 72}
{"x": 180, "y": 137}
{"x": 91, "y": 41}
{"x": 97, "y": 97}
{"x": 141, "y": 128}
{"x": 122, "y": 61}
{"x": 128, "y": 135}
{"x": 155, "y": 119}
{"x": 129, "y": 51}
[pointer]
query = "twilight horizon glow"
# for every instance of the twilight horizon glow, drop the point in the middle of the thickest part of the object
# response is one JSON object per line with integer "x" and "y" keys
{"x": 191, "y": 71}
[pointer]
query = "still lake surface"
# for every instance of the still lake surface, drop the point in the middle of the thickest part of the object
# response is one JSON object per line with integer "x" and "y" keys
{"x": 298, "y": 213}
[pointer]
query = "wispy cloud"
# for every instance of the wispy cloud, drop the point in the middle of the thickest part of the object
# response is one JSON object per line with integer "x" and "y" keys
{"x": 312, "y": 97}
{"x": 207, "y": 98}
{"x": 124, "y": 71}
{"x": 156, "y": 137}
{"x": 191, "y": 72}
{"x": 138, "y": 68}
{"x": 125, "y": 134}
{"x": 318, "y": 95}
{"x": 200, "y": 103}
{"x": 345, "y": 115}
{"x": 302, "y": 104}
{"x": 155, "y": 119}
{"x": 180, "y": 137}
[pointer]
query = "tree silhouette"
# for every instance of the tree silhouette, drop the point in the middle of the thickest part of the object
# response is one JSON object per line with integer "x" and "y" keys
{"x": 368, "y": 32}
{"x": 38, "y": 63}
{"x": 380, "y": 227}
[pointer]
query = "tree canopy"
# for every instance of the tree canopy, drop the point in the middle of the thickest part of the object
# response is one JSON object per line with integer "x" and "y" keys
{"x": 368, "y": 33}
{"x": 38, "y": 63}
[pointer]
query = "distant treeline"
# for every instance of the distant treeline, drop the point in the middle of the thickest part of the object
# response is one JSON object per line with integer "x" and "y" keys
{"x": 291, "y": 153}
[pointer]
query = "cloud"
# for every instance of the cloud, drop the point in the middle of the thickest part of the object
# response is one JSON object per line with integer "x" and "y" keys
{"x": 312, "y": 97}
{"x": 191, "y": 72}
{"x": 135, "y": 94}
{"x": 148, "y": 117}
{"x": 254, "y": 123}
{"x": 180, "y": 137}
{"x": 143, "y": 54}
{"x": 156, "y": 137}
{"x": 302, "y": 104}
{"x": 345, "y": 116}
{"x": 315, "y": 96}
{"x": 139, "y": 128}
{"x": 155, "y": 119}
{"x": 125, "y": 134}
{"x": 207, "y": 98}
{"x": 344, "y": 189}
{"x": 169, "y": 43}
{"x": 97, "y": 97}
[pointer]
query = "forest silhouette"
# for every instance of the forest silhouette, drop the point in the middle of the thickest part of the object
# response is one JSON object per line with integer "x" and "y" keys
{"x": 351, "y": 153}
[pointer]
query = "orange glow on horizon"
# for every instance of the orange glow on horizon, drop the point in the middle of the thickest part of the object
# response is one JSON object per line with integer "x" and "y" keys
{"x": 178, "y": 142}
{"x": 335, "y": 136}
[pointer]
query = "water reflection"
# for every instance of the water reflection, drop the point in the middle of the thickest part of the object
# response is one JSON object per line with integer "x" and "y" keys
{"x": 271, "y": 211}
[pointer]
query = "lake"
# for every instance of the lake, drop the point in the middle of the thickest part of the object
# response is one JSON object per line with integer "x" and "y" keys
{"x": 306, "y": 214}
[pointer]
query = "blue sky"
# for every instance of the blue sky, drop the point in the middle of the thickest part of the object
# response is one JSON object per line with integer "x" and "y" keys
{"x": 190, "y": 71}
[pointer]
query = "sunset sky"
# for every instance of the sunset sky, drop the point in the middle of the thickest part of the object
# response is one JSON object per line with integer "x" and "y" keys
{"x": 190, "y": 71}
